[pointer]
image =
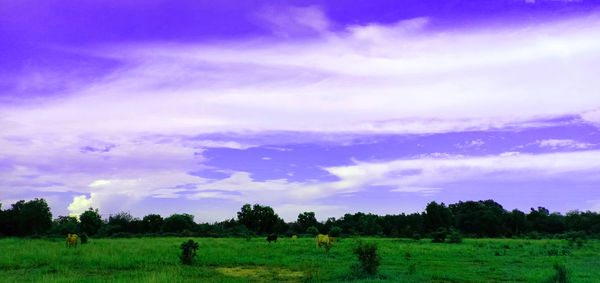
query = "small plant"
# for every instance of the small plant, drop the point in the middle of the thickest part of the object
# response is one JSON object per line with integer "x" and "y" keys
{"x": 367, "y": 257}
{"x": 188, "y": 252}
{"x": 561, "y": 275}
{"x": 83, "y": 238}
{"x": 412, "y": 268}
{"x": 439, "y": 236}
{"x": 454, "y": 237}
{"x": 416, "y": 236}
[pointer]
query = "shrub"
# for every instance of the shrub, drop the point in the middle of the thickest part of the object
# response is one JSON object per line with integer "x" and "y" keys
{"x": 454, "y": 237}
{"x": 312, "y": 230}
{"x": 188, "y": 252}
{"x": 83, "y": 238}
{"x": 439, "y": 236}
{"x": 335, "y": 231}
{"x": 367, "y": 256}
{"x": 561, "y": 275}
{"x": 416, "y": 236}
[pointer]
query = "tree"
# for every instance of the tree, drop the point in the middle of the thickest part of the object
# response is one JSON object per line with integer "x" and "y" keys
{"x": 152, "y": 223}
{"x": 178, "y": 222}
{"x": 306, "y": 219}
{"x": 64, "y": 225}
{"x": 437, "y": 216}
{"x": 32, "y": 217}
{"x": 260, "y": 219}
{"x": 517, "y": 222}
{"x": 90, "y": 222}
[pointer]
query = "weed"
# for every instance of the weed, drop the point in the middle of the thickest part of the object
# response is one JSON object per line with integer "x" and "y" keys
{"x": 367, "y": 257}
{"x": 188, "y": 252}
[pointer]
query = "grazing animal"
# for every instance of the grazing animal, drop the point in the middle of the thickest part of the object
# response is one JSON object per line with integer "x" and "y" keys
{"x": 294, "y": 237}
{"x": 272, "y": 238}
{"x": 324, "y": 240}
{"x": 71, "y": 240}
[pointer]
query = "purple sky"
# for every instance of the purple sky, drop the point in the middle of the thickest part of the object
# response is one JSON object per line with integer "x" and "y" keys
{"x": 325, "y": 106}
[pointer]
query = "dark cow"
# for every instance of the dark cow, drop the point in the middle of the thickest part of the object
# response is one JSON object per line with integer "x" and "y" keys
{"x": 272, "y": 238}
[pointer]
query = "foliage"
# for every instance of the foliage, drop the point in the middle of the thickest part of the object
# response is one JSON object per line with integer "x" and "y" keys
{"x": 561, "y": 275}
{"x": 306, "y": 220}
{"x": 188, "y": 252}
{"x": 470, "y": 219}
{"x": 26, "y": 218}
{"x": 178, "y": 223}
{"x": 439, "y": 236}
{"x": 156, "y": 260}
{"x": 152, "y": 223}
{"x": 260, "y": 219}
{"x": 90, "y": 222}
{"x": 312, "y": 230}
{"x": 84, "y": 238}
{"x": 335, "y": 231}
{"x": 368, "y": 259}
{"x": 454, "y": 237}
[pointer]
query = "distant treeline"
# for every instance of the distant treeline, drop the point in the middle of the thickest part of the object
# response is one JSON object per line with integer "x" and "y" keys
{"x": 470, "y": 218}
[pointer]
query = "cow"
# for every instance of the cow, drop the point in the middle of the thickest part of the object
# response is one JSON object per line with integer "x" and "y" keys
{"x": 272, "y": 238}
{"x": 71, "y": 240}
{"x": 324, "y": 240}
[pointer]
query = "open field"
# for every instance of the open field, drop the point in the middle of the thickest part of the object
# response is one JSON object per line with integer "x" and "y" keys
{"x": 238, "y": 260}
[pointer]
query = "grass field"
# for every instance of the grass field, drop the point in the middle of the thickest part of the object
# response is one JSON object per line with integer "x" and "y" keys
{"x": 239, "y": 260}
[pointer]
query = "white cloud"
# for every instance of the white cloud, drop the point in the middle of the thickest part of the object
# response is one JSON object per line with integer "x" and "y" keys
{"x": 80, "y": 204}
{"x": 431, "y": 174}
{"x": 389, "y": 79}
{"x": 562, "y": 143}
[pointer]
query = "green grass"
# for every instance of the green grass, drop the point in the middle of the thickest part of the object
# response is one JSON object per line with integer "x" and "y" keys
{"x": 238, "y": 260}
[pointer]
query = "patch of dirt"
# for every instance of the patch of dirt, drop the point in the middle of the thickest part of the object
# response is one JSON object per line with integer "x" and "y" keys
{"x": 262, "y": 273}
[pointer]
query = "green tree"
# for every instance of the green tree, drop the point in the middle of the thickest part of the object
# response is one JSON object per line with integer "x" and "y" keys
{"x": 306, "y": 219}
{"x": 312, "y": 230}
{"x": 64, "y": 225}
{"x": 90, "y": 222}
{"x": 178, "y": 222}
{"x": 258, "y": 218}
{"x": 152, "y": 223}
{"x": 437, "y": 216}
{"x": 32, "y": 217}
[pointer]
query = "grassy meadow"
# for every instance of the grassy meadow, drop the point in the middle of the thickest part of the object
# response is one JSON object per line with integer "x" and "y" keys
{"x": 288, "y": 260}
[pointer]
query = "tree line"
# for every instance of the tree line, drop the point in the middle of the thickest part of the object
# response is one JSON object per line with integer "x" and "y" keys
{"x": 470, "y": 218}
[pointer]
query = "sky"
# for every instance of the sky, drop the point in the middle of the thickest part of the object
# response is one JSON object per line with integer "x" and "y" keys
{"x": 333, "y": 106}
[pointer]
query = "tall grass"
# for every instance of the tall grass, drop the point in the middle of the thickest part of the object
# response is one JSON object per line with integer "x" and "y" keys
{"x": 239, "y": 260}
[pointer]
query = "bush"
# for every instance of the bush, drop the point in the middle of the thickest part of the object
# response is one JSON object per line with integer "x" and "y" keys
{"x": 561, "y": 276}
{"x": 454, "y": 237}
{"x": 367, "y": 256}
{"x": 188, "y": 252}
{"x": 312, "y": 230}
{"x": 83, "y": 238}
{"x": 335, "y": 231}
{"x": 439, "y": 236}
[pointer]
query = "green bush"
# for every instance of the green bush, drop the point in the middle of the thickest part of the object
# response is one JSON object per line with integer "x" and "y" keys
{"x": 439, "y": 236}
{"x": 561, "y": 275}
{"x": 312, "y": 230}
{"x": 367, "y": 256}
{"x": 84, "y": 238}
{"x": 335, "y": 231}
{"x": 188, "y": 252}
{"x": 454, "y": 237}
